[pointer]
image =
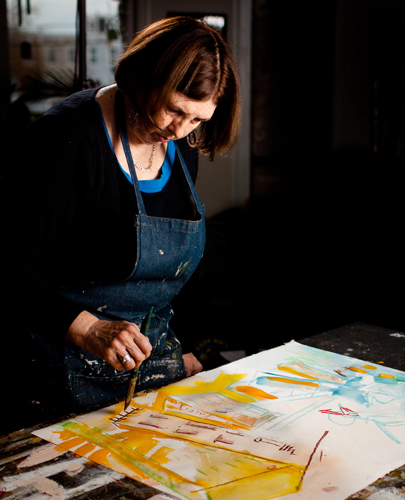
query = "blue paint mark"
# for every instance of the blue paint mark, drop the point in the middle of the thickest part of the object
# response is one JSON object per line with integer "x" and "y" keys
{"x": 383, "y": 427}
{"x": 352, "y": 389}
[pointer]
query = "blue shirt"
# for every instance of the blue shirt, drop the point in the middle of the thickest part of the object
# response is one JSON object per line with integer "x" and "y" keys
{"x": 154, "y": 185}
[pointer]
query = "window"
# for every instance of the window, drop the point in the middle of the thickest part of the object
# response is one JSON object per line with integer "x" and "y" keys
{"x": 42, "y": 43}
{"x": 93, "y": 55}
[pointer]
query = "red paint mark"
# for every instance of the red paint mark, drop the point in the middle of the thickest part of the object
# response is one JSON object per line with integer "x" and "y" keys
{"x": 203, "y": 426}
{"x": 328, "y": 489}
{"x": 288, "y": 448}
{"x": 235, "y": 433}
{"x": 2, "y": 491}
{"x": 150, "y": 425}
{"x": 221, "y": 439}
{"x": 310, "y": 459}
{"x": 345, "y": 412}
{"x": 185, "y": 431}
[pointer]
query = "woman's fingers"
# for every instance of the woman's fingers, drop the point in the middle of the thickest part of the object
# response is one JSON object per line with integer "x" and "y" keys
{"x": 191, "y": 364}
{"x": 130, "y": 348}
{"x": 120, "y": 343}
{"x": 136, "y": 342}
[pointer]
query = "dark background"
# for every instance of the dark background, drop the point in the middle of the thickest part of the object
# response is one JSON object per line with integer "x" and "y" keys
{"x": 320, "y": 243}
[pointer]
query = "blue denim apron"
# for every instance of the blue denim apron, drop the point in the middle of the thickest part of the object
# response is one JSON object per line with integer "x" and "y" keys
{"x": 168, "y": 251}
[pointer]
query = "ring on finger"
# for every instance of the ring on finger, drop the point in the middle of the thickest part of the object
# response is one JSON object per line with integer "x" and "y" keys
{"x": 125, "y": 359}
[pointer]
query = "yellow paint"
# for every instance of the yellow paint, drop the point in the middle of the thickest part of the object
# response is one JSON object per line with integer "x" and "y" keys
{"x": 213, "y": 472}
{"x": 292, "y": 381}
{"x": 165, "y": 401}
{"x": 263, "y": 486}
{"x": 255, "y": 393}
{"x": 219, "y": 385}
{"x": 386, "y": 375}
{"x": 370, "y": 367}
{"x": 356, "y": 369}
{"x": 140, "y": 466}
{"x": 160, "y": 456}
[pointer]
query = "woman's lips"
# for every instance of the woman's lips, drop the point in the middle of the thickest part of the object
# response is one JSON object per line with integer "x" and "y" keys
{"x": 163, "y": 139}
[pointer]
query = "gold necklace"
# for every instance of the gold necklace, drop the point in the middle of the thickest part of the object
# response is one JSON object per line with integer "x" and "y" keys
{"x": 152, "y": 156}
{"x": 133, "y": 117}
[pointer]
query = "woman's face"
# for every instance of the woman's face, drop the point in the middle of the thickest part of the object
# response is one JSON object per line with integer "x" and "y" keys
{"x": 180, "y": 117}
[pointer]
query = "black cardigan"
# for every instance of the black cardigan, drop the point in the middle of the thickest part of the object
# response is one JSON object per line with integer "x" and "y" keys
{"x": 68, "y": 213}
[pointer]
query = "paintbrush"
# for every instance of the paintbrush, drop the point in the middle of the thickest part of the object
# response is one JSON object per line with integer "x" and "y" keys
{"x": 134, "y": 374}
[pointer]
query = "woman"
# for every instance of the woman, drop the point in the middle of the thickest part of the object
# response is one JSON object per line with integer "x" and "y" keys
{"x": 105, "y": 221}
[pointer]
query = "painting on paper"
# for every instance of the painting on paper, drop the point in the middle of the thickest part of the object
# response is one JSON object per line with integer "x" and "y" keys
{"x": 293, "y": 422}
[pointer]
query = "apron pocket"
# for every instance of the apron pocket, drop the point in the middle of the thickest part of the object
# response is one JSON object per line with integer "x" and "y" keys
{"x": 89, "y": 392}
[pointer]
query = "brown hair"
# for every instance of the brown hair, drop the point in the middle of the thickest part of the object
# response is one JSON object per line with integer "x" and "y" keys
{"x": 186, "y": 55}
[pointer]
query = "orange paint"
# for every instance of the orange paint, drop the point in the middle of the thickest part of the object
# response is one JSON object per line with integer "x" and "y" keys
{"x": 85, "y": 449}
{"x": 356, "y": 369}
{"x": 292, "y": 381}
{"x": 386, "y": 375}
{"x": 72, "y": 443}
{"x": 255, "y": 393}
{"x": 100, "y": 457}
{"x": 64, "y": 435}
{"x": 296, "y": 372}
{"x": 370, "y": 367}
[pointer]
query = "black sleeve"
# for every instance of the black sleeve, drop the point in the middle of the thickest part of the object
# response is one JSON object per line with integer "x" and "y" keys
{"x": 39, "y": 197}
{"x": 62, "y": 196}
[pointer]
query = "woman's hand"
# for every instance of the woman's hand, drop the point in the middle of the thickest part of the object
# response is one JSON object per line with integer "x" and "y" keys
{"x": 191, "y": 364}
{"x": 110, "y": 340}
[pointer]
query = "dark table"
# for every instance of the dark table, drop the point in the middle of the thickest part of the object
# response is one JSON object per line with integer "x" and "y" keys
{"x": 69, "y": 476}
{"x": 366, "y": 342}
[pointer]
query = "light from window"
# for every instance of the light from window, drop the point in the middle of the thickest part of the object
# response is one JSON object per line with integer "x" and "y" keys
{"x": 215, "y": 21}
{"x": 93, "y": 54}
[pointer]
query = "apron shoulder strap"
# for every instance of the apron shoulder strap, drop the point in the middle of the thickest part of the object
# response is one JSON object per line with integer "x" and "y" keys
{"x": 120, "y": 115}
{"x": 187, "y": 175}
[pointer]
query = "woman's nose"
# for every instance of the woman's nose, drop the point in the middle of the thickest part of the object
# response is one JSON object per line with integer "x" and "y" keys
{"x": 178, "y": 129}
